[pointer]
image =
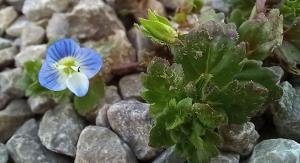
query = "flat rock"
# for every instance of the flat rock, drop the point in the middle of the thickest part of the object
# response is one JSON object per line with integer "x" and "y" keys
{"x": 17, "y": 4}
{"x": 12, "y": 117}
{"x": 226, "y": 158}
{"x": 7, "y": 16}
{"x": 7, "y": 57}
{"x": 15, "y": 29}
{"x": 132, "y": 122}
{"x": 40, "y": 104}
{"x": 99, "y": 20}
{"x": 3, "y": 153}
{"x": 101, "y": 119}
{"x": 32, "y": 34}
{"x": 25, "y": 147}
{"x": 101, "y": 145}
{"x": 131, "y": 86}
{"x": 286, "y": 116}
{"x": 57, "y": 27}
{"x": 220, "y": 5}
{"x": 276, "y": 151}
{"x": 39, "y": 9}
{"x": 5, "y": 43}
{"x": 30, "y": 53}
{"x": 8, "y": 82}
{"x": 239, "y": 138}
{"x": 60, "y": 129}
{"x": 169, "y": 156}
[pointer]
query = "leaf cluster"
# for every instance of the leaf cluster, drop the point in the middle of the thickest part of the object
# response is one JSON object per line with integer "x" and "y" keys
{"x": 211, "y": 84}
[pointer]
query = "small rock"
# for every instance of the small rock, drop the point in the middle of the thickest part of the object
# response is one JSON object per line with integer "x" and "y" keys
{"x": 17, "y": 26}
{"x": 131, "y": 120}
{"x": 30, "y": 53}
{"x": 12, "y": 117}
{"x": 60, "y": 128}
{"x": 32, "y": 34}
{"x": 57, "y": 27}
{"x": 3, "y": 153}
{"x": 38, "y": 9}
{"x": 278, "y": 71}
{"x": 101, "y": 145}
{"x": 5, "y": 43}
{"x": 116, "y": 49}
{"x": 239, "y": 138}
{"x": 131, "y": 86}
{"x": 7, "y": 57}
{"x": 169, "y": 156}
{"x": 17, "y": 4}
{"x": 220, "y": 5}
{"x": 111, "y": 95}
{"x": 24, "y": 146}
{"x": 276, "y": 151}
{"x": 226, "y": 158}
{"x": 4, "y": 99}
{"x": 174, "y": 4}
{"x": 145, "y": 48}
{"x": 8, "y": 82}
{"x": 102, "y": 119}
{"x": 99, "y": 20}
{"x": 40, "y": 104}
{"x": 7, "y": 16}
{"x": 287, "y": 115}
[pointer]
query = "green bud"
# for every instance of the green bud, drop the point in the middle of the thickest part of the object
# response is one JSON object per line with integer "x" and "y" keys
{"x": 158, "y": 28}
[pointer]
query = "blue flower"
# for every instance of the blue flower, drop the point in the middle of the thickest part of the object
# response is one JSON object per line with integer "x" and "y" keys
{"x": 69, "y": 66}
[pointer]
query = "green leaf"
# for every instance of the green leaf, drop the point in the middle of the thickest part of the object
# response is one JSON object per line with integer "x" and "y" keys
{"x": 240, "y": 99}
{"x": 290, "y": 10}
{"x": 94, "y": 96}
{"x": 270, "y": 29}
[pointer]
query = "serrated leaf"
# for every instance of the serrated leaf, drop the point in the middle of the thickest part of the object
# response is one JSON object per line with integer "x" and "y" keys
{"x": 248, "y": 98}
{"x": 94, "y": 96}
{"x": 262, "y": 34}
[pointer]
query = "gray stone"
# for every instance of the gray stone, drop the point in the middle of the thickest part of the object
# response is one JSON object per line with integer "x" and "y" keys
{"x": 38, "y": 9}
{"x": 145, "y": 48}
{"x": 5, "y": 43}
{"x": 3, "y": 153}
{"x": 239, "y": 138}
{"x": 286, "y": 116}
{"x": 7, "y": 16}
{"x": 99, "y": 20}
{"x": 25, "y": 147}
{"x": 132, "y": 122}
{"x": 7, "y": 57}
{"x": 169, "y": 156}
{"x": 8, "y": 82}
{"x": 40, "y": 104}
{"x": 58, "y": 26}
{"x": 32, "y": 34}
{"x": 30, "y": 53}
{"x": 17, "y": 4}
{"x": 174, "y": 4}
{"x": 12, "y": 117}
{"x": 117, "y": 50}
{"x": 102, "y": 119}
{"x": 278, "y": 71}
{"x": 111, "y": 95}
{"x": 226, "y": 158}
{"x": 220, "y": 5}
{"x": 131, "y": 86}
{"x": 276, "y": 151}
{"x": 101, "y": 145}
{"x": 15, "y": 29}
{"x": 60, "y": 129}
{"x": 4, "y": 99}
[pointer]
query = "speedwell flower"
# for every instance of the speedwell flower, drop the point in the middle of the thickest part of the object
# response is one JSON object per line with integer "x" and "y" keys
{"x": 69, "y": 66}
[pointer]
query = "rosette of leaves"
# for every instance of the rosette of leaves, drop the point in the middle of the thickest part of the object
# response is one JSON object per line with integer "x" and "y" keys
{"x": 210, "y": 84}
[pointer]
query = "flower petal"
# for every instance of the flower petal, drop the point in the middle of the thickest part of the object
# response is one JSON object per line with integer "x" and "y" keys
{"x": 78, "y": 83}
{"x": 90, "y": 61}
{"x": 62, "y": 48}
{"x": 51, "y": 78}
